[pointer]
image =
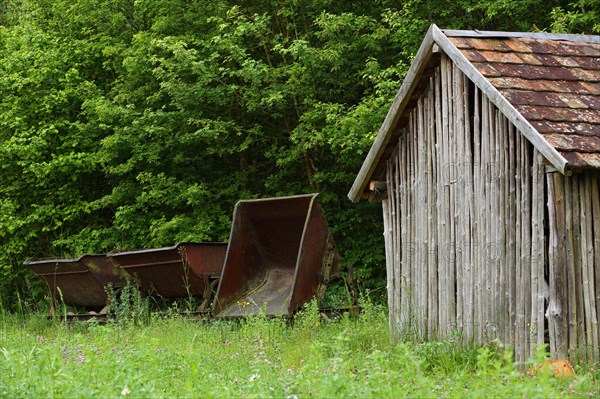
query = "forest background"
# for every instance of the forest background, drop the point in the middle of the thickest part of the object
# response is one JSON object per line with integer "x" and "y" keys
{"x": 140, "y": 123}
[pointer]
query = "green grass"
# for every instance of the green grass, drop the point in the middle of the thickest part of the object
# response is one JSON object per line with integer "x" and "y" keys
{"x": 257, "y": 357}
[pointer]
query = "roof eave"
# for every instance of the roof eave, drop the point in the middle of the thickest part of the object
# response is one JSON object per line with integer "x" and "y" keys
{"x": 400, "y": 101}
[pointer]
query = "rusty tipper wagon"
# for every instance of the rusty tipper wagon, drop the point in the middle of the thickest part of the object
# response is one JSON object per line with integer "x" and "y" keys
{"x": 280, "y": 255}
{"x": 78, "y": 282}
{"x": 179, "y": 271}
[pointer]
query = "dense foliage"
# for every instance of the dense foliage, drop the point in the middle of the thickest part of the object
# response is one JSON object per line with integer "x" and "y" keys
{"x": 139, "y": 123}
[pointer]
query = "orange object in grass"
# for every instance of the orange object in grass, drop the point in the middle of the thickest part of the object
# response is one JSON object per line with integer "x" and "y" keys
{"x": 559, "y": 368}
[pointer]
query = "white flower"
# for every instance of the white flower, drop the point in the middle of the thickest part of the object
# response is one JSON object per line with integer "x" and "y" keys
{"x": 254, "y": 377}
{"x": 125, "y": 391}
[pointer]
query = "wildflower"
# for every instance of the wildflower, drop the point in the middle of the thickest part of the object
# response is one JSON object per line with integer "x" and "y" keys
{"x": 302, "y": 361}
{"x": 253, "y": 377}
{"x": 310, "y": 391}
{"x": 125, "y": 391}
{"x": 289, "y": 371}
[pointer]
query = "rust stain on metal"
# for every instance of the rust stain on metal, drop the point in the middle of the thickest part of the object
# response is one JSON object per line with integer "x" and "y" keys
{"x": 280, "y": 253}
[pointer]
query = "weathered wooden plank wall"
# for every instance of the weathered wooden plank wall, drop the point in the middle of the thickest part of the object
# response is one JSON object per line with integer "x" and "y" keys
{"x": 464, "y": 221}
{"x": 574, "y": 263}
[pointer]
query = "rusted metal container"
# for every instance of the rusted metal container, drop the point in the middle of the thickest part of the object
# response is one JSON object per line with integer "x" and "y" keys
{"x": 185, "y": 269}
{"x": 81, "y": 281}
{"x": 280, "y": 255}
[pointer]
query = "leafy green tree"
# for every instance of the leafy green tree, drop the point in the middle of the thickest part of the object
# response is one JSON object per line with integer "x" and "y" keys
{"x": 140, "y": 123}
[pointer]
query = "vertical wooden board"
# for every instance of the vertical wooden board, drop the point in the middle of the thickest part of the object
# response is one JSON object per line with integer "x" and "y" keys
{"x": 416, "y": 223}
{"x": 509, "y": 232}
{"x": 576, "y": 316}
{"x": 432, "y": 303}
{"x": 502, "y": 192}
{"x": 512, "y": 233}
{"x": 398, "y": 242}
{"x": 410, "y": 247}
{"x": 400, "y": 185}
{"x": 557, "y": 319}
{"x": 588, "y": 258}
{"x": 493, "y": 215}
{"x": 404, "y": 225}
{"x": 498, "y": 178}
{"x": 520, "y": 304}
{"x": 492, "y": 239}
{"x": 450, "y": 232}
{"x": 467, "y": 223}
{"x": 389, "y": 261}
{"x": 541, "y": 253}
{"x": 570, "y": 265}
{"x": 478, "y": 258}
{"x": 553, "y": 259}
{"x": 591, "y": 267}
{"x": 535, "y": 204}
{"x": 415, "y": 227}
{"x": 445, "y": 263}
{"x": 440, "y": 203}
{"x": 526, "y": 243}
{"x": 394, "y": 243}
{"x": 420, "y": 221}
{"x": 484, "y": 219}
{"x": 585, "y": 267}
{"x": 595, "y": 191}
{"x": 457, "y": 188}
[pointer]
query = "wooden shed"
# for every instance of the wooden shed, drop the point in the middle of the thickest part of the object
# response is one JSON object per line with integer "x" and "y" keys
{"x": 488, "y": 169}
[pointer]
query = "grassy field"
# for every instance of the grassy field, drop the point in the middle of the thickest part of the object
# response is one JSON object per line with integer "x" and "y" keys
{"x": 167, "y": 357}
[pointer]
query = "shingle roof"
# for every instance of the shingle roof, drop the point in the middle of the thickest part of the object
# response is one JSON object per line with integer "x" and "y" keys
{"x": 554, "y": 84}
{"x": 548, "y": 85}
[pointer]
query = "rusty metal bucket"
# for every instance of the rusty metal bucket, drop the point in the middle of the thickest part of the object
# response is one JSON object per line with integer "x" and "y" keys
{"x": 179, "y": 271}
{"x": 280, "y": 255}
{"x": 81, "y": 281}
